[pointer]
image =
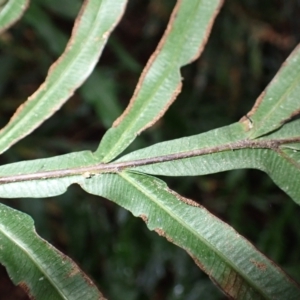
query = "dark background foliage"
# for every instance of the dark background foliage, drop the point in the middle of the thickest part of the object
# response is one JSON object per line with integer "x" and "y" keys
{"x": 249, "y": 42}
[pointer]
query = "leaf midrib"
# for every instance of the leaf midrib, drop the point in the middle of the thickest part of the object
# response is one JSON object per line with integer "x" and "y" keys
{"x": 195, "y": 233}
{"x": 63, "y": 74}
{"x": 15, "y": 240}
{"x": 116, "y": 167}
{"x": 111, "y": 153}
{"x": 268, "y": 115}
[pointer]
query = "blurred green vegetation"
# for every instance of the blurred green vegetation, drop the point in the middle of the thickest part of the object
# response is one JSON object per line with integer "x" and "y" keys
{"x": 249, "y": 42}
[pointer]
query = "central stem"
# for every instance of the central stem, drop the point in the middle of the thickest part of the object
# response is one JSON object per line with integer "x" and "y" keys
{"x": 116, "y": 167}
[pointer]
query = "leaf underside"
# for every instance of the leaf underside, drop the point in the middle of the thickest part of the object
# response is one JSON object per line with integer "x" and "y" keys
{"x": 276, "y": 154}
{"x": 280, "y": 101}
{"x": 11, "y": 12}
{"x": 231, "y": 261}
{"x": 160, "y": 82}
{"x": 267, "y": 139}
{"x": 92, "y": 28}
{"x": 36, "y": 266}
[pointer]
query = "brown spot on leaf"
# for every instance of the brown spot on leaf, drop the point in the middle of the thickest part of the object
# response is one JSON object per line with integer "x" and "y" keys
{"x": 232, "y": 285}
{"x": 74, "y": 271}
{"x": 189, "y": 202}
{"x": 261, "y": 266}
{"x": 26, "y": 289}
{"x": 7, "y": 288}
{"x": 144, "y": 218}
{"x": 24, "y": 286}
{"x": 159, "y": 231}
{"x": 169, "y": 239}
{"x": 183, "y": 199}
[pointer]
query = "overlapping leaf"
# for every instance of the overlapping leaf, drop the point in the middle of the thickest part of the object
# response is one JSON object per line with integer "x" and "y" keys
{"x": 160, "y": 82}
{"x": 280, "y": 101}
{"x": 43, "y": 185}
{"x": 11, "y": 12}
{"x": 224, "y": 149}
{"x": 33, "y": 264}
{"x": 218, "y": 150}
{"x": 91, "y": 31}
{"x": 240, "y": 270}
{"x": 233, "y": 263}
{"x": 235, "y": 146}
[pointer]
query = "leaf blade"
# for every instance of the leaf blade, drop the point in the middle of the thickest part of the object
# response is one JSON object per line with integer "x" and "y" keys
{"x": 224, "y": 149}
{"x": 44, "y": 186}
{"x": 11, "y": 13}
{"x": 35, "y": 265}
{"x": 230, "y": 260}
{"x": 160, "y": 81}
{"x": 280, "y": 100}
{"x": 92, "y": 28}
